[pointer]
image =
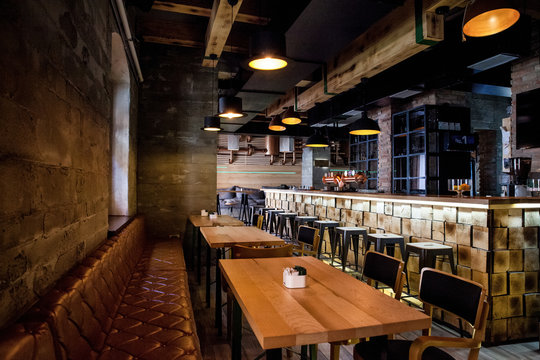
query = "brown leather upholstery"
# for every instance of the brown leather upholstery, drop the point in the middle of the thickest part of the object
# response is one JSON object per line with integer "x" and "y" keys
{"x": 127, "y": 300}
{"x": 27, "y": 341}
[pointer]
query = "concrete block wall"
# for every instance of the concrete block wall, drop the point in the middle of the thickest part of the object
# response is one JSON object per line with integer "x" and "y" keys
{"x": 176, "y": 173}
{"x": 54, "y": 142}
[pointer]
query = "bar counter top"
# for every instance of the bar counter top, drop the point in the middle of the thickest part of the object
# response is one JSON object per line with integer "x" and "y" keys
{"x": 477, "y": 202}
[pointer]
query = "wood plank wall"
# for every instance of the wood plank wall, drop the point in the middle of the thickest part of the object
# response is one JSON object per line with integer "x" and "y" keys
{"x": 255, "y": 171}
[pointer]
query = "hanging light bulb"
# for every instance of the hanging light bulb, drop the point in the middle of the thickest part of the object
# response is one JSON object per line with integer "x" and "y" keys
{"x": 365, "y": 126}
{"x": 267, "y": 51}
{"x": 317, "y": 140}
{"x": 276, "y": 124}
{"x": 489, "y": 17}
{"x": 291, "y": 117}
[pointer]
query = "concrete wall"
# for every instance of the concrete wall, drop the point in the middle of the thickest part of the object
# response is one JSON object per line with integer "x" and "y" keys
{"x": 54, "y": 142}
{"x": 176, "y": 159}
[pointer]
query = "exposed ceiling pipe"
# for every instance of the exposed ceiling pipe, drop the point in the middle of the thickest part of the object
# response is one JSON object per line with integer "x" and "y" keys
{"x": 120, "y": 8}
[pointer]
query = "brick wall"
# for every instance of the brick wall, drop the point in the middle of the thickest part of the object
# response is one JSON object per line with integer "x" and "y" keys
{"x": 54, "y": 142}
{"x": 176, "y": 159}
{"x": 525, "y": 77}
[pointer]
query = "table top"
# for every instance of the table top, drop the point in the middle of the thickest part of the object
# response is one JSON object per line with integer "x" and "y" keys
{"x": 333, "y": 307}
{"x": 222, "y": 220}
{"x": 227, "y": 236}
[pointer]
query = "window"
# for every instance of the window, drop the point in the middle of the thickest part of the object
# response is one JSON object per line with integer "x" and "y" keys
{"x": 365, "y": 157}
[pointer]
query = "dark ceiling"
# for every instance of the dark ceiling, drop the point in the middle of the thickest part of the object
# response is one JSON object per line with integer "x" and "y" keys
{"x": 315, "y": 32}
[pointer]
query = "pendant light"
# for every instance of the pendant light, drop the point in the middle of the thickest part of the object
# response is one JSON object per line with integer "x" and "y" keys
{"x": 365, "y": 126}
{"x": 230, "y": 107}
{"x": 267, "y": 50}
{"x": 212, "y": 123}
{"x": 317, "y": 140}
{"x": 291, "y": 117}
{"x": 276, "y": 124}
{"x": 489, "y": 17}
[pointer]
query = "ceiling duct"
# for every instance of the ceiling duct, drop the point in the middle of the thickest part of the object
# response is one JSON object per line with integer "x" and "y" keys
{"x": 272, "y": 145}
{"x": 492, "y": 62}
{"x": 233, "y": 142}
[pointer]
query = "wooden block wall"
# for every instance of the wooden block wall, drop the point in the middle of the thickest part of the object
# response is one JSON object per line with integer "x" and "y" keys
{"x": 497, "y": 248}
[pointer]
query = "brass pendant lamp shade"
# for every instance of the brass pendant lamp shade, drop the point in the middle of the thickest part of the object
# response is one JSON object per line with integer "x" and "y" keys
{"x": 291, "y": 117}
{"x": 212, "y": 123}
{"x": 317, "y": 140}
{"x": 365, "y": 126}
{"x": 267, "y": 51}
{"x": 489, "y": 17}
{"x": 276, "y": 124}
{"x": 230, "y": 107}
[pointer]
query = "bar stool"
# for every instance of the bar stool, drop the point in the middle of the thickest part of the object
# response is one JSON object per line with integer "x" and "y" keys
{"x": 387, "y": 241}
{"x": 243, "y": 216}
{"x": 427, "y": 252}
{"x": 346, "y": 234}
{"x": 264, "y": 212}
{"x": 282, "y": 223}
{"x": 303, "y": 220}
{"x": 272, "y": 220}
{"x": 253, "y": 209}
{"x": 323, "y": 225}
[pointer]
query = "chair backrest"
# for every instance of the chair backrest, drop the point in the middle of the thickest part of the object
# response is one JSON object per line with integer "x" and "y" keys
{"x": 308, "y": 235}
{"x": 385, "y": 269}
{"x": 459, "y": 296}
{"x": 246, "y": 252}
{"x": 260, "y": 220}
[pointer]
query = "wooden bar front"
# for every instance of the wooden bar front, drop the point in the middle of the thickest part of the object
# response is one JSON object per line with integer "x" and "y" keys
{"x": 495, "y": 241}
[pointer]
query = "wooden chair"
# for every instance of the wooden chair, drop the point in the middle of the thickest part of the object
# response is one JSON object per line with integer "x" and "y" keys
{"x": 463, "y": 298}
{"x": 260, "y": 221}
{"x": 307, "y": 241}
{"x": 380, "y": 268}
{"x": 247, "y": 252}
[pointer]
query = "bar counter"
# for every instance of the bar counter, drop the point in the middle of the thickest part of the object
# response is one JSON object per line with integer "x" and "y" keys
{"x": 495, "y": 242}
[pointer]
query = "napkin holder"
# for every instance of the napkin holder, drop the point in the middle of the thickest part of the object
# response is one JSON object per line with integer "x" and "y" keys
{"x": 294, "y": 278}
{"x": 204, "y": 213}
{"x": 213, "y": 216}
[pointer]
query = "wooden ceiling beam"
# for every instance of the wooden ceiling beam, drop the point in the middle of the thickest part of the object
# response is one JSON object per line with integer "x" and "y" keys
{"x": 205, "y": 12}
{"x": 219, "y": 28}
{"x": 187, "y": 43}
{"x": 393, "y": 39}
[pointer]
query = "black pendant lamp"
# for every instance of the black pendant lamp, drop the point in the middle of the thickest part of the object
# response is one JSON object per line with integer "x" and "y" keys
{"x": 267, "y": 51}
{"x": 212, "y": 123}
{"x": 291, "y": 117}
{"x": 276, "y": 124}
{"x": 489, "y": 17}
{"x": 365, "y": 126}
{"x": 317, "y": 140}
{"x": 230, "y": 107}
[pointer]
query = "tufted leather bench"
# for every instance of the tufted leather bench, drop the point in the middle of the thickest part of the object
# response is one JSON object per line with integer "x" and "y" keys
{"x": 127, "y": 300}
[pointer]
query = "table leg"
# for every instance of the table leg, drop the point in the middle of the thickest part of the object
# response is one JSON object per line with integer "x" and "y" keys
{"x": 199, "y": 256}
{"x": 208, "y": 258}
{"x": 313, "y": 349}
{"x": 218, "y": 293}
{"x": 192, "y": 247}
{"x": 345, "y": 249}
{"x": 273, "y": 354}
{"x": 237, "y": 331}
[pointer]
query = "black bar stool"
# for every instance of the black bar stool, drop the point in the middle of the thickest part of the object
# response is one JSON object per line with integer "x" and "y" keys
{"x": 218, "y": 207}
{"x": 323, "y": 225}
{"x": 427, "y": 252}
{"x": 283, "y": 218}
{"x": 272, "y": 220}
{"x": 303, "y": 220}
{"x": 264, "y": 212}
{"x": 387, "y": 241}
{"x": 345, "y": 234}
{"x": 243, "y": 216}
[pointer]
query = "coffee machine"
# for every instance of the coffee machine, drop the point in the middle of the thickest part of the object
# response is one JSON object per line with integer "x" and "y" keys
{"x": 519, "y": 173}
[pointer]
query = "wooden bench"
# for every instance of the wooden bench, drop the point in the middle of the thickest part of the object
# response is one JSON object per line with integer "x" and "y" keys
{"x": 129, "y": 299}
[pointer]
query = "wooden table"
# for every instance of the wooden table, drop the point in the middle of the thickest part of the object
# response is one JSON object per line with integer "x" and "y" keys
{"x": 198, "y": 221}
{"x": 333, "y": 307}
{"x": 225, "y": 237}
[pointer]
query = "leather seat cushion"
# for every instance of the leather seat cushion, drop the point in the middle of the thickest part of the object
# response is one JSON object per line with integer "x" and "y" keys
{"x": 394, "y": 350}
{"x": 155, "y": 318}
{"x": 27, "y": 341}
